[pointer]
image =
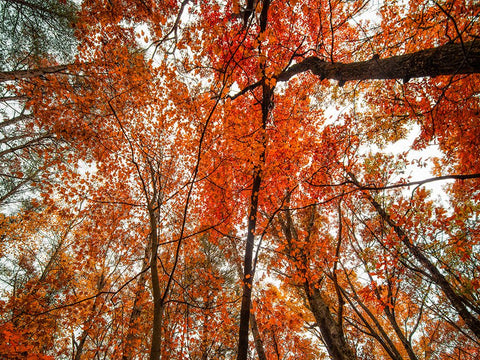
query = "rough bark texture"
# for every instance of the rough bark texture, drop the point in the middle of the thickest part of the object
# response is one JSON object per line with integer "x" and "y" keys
{"x": 252, "y": 222}
{"x": 132, "y": 335}
{"x": 257, "y": 338}
{"x": 247, "y": 269}
{"x": 447, "y": 59}
{"x": 331, "y": 331}
{"x": 158, "y": 307}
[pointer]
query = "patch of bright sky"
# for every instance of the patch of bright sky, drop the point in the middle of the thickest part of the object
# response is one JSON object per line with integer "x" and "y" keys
{"x": 420, "y": 165}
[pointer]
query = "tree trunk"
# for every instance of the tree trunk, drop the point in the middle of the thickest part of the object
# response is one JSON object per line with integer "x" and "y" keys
{"x": 252, "y": 222}
{"x": 449, "y": 59}
{"x": 247, "y": 267}
{"x": 435, "y": 275}
{"x": 158, "y": 308}
{"x": 132, "y": 335}
{"x": 253, "y": 321}
{"x": 257, "y": 338}
{"x": 331, "y": 331}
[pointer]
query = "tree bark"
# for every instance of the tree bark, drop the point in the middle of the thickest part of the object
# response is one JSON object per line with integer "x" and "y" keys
{"x": 257, "y": 338}
{"x": 158, "y": 304}
{"x": 253, "y": 321}
{"x": 449, "y": 59}
{"x": 247, "y": 267}
{"x": 331, "y": 331}
{"x": 252, "y": 222}
{"x": 132, "y": 335}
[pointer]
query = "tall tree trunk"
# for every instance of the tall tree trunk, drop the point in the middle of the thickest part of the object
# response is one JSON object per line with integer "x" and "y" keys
{"x": 253, "y": 321}
{"x": 158, "y": 305}
{"x": 449, "y": 59}
{"x": 331, "y": 330}
{"x": 252, "y": 222}
{"x": 247, "y": 267}
{"x": 132, "y": 335}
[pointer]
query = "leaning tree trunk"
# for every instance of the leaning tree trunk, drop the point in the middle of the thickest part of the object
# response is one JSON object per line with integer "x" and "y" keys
{"x": 435, "y": 275}
{"x": 330, "y": 329}
{"x": 132, "y": 334}
{"x": 252, "y": 222}
{"x": 449, "y": 59}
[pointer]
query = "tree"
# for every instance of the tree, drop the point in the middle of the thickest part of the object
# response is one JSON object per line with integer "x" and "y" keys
{"x": 35, "y": 37}
{"x": 187, "y": 132}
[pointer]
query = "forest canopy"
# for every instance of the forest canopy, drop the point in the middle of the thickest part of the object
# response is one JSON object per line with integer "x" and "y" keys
{"x": 259, "y": 179}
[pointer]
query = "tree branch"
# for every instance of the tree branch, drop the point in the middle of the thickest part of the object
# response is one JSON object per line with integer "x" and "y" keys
{"x": 448, "y": 59}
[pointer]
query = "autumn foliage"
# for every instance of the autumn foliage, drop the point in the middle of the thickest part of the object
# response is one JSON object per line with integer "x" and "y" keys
{"x": 203, "y": 179}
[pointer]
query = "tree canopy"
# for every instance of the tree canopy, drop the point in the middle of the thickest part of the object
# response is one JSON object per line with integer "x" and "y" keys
{"x": 210, "y": 179}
